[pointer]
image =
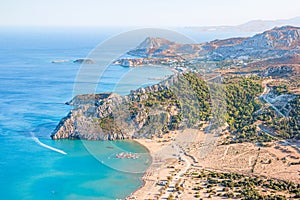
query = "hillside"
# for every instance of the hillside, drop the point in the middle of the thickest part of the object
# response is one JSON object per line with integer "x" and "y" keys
{"x": 144, "y": 113}
{"x": 158, "y": 109}
{"x": 277, "y": 42}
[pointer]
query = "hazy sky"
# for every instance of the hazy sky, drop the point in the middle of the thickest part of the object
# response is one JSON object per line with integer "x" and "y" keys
{"x": 142, "y": 12}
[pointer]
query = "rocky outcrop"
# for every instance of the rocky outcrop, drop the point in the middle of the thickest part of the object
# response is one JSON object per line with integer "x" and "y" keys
{"x": 109, "y": 116}
{"x": 153, "y": 47}
{"x": 84, "y": 61}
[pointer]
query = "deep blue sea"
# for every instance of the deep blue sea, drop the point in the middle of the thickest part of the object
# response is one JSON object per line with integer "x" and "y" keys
{"x": 32, "y": 95}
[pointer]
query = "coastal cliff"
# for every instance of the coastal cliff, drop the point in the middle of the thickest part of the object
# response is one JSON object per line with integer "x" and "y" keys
{"x": 144, "y": 113}
{"x": 109, "y": 116}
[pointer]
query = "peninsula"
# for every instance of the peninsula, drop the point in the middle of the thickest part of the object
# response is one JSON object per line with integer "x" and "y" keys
{"x": 226, "y": 125}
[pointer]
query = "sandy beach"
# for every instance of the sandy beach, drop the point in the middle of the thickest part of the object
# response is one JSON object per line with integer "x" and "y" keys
{"x": 179, "y": 154}
{"x": 169, "y": 163}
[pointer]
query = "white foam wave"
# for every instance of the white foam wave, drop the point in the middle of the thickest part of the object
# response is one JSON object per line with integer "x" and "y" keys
{"x": 47, "y": 146}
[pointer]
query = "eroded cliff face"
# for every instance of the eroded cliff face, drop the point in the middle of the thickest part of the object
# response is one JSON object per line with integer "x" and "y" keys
{"x": 108, "y": 116}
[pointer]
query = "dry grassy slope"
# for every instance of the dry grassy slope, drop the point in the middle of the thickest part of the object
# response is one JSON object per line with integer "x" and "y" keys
{"x": 279, "y": 41}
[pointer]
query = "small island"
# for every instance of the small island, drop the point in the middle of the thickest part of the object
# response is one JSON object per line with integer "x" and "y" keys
{"x": 84, "y": 61}
{"x": 78, "y": 61}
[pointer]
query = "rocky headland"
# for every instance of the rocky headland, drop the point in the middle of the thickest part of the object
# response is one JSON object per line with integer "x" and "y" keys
{"x": 109, "y": 116}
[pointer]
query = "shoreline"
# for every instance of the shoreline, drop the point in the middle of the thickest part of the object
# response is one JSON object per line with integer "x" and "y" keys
{"x": 149, "y": 167}
{"x": 153, "y": 66}
{"x": 151, "y": 146}
{"x": 166, "y": 157}
{"x": 232, "y": 158}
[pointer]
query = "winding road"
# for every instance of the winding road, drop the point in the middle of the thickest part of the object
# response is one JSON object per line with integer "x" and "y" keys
{"x": 264, "y": 96}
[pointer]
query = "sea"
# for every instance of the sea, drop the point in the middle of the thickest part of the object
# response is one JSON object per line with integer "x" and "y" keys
{"x": 33, "y": 92}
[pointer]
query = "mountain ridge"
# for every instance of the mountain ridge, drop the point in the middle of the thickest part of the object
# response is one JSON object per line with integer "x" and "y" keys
{"x": 274, "y": 42}
{"x": 250, "y": 26}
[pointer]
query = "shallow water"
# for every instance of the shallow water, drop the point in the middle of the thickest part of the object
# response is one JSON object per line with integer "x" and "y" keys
{"x": 32, "y": 96}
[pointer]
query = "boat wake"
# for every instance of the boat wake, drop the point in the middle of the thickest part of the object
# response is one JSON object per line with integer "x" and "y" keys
{"x": 47, "y": 146}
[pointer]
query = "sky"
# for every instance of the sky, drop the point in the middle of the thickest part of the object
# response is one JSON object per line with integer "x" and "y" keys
{"x": 151, "y": 13}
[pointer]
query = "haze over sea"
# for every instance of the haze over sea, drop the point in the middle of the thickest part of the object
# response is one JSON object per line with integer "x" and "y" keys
{"x": 32, "y": 96}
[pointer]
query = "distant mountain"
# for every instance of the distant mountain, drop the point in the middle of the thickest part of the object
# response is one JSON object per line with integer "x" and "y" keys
{"x": 150, "y": 43}
{"x": 251, "y": 26}
{"x": 160, "y": 47}
{"x": 277, "y": 42}
{"x": 285, "y": 38}
{"x": 260, "y": 25}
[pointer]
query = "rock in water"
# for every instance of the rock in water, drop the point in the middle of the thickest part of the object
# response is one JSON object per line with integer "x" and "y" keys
{"x": 85, "y": 61}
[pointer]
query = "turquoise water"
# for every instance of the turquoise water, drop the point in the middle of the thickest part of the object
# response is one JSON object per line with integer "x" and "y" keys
{"x": 33, "y": 172}
{"x": 32, "y": 96}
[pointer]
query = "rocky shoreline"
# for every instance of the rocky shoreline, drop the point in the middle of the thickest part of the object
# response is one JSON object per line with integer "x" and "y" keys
{"x": 109, "y": 116}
